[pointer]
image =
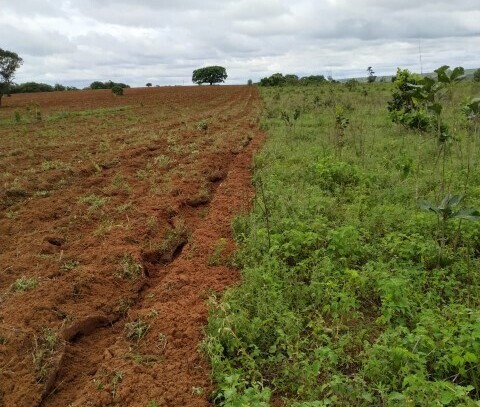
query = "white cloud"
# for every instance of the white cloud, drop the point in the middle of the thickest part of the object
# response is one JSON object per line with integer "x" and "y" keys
{"x": 161, "y": 41}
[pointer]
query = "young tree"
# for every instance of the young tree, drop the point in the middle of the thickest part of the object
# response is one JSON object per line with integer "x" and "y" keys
{"x": 9, "y": 63}
{"x": 209, "y": 74}
{"x": 371, "y": 75}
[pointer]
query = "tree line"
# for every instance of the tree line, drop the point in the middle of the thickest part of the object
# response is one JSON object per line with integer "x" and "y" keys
{"x": 278, "y": 79}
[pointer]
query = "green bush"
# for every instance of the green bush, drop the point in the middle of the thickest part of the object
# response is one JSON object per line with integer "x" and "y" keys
{"x": 117, "y": 90}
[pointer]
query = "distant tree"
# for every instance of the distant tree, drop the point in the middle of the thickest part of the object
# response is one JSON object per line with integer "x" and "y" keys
{"x": 291, "y": 79}
{"x": 97, "y": 85}
{"x": 249, "y": 82}
{"x": 117, "y": 90}
{"x": 106, "y": 85}
{"x": 209, "y": 74}
{"x": 351, "y": 84}
{"x": 371, "y": 75}
{"x": 31, "y": 87}
{"x": 59, "y": 87}
{"x": 476, "y": 75}
{"x": 9, "y": 63}
{"x": 312, "y": 80}
{"x": 148, "y": 85}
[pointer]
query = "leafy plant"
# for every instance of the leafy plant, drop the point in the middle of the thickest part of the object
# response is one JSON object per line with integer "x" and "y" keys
{"x": 447, "y": 210}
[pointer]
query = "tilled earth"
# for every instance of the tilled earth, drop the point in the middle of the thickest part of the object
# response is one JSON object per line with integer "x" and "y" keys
{"x": 115, "y": 217}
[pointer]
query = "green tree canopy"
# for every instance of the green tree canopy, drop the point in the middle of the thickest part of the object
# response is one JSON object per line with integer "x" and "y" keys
{"x": 209, "y": 74}
{"x": 9, "y": 63}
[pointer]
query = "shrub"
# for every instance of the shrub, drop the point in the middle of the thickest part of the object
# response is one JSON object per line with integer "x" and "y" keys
{"x": 476, "y": 75}
{"x": 117, "y": 90}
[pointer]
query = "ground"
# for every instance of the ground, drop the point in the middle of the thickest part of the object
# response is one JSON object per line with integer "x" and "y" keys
{"x": 115, "y": 217}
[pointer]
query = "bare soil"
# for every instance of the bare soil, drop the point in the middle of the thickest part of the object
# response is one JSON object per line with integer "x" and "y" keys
{"x": 115, "y": 220}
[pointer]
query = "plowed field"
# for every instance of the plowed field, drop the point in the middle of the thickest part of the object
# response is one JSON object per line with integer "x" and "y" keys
{"x": 115, "y": 219}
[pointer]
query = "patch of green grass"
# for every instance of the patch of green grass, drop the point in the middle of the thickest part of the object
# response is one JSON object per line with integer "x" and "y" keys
{"x": 70, "y": 265}
{"x": 136, "y": 330}
{"x": 95, "y": 202}
{"x": 129, "y": 268}
{"x": 25, "y": 284}
{"x": 43, "y": 352}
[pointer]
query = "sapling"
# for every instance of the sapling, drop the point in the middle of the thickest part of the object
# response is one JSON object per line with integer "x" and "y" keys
{"x": 448, "y": 209}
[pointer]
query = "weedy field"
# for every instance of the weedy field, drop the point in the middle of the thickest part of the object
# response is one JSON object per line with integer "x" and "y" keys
{"x": 361, "y": 258}
{"x": 115, "y": 217}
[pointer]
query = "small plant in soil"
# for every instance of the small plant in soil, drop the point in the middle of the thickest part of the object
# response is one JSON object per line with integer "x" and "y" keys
{"x": 129, "y": 268}
{"x": 202, "y": 125}
{"x": 136, "y": 330}
{"x": 216, "y": 258}
{"x": 44, "y": 349}
{"x": 94, "y": 201}
{"x": 25, "y": 284}
{"x": 69, "y": 265}
{"x": 117, "y": 378}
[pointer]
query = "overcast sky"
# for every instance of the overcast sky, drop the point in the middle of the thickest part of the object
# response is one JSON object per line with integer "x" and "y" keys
{"x": 161, "y": 41}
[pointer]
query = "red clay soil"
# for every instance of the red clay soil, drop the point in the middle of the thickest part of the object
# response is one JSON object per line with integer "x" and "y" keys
{"x": 115, "y": 220}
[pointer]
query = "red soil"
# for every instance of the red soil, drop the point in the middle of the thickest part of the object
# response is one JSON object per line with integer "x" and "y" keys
{"x": 87, "y": 198}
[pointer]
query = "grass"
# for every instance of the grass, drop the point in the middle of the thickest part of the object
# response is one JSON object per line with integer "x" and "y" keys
{"x": 43, "y": 352}
{"x": 25, "y": 284}
{"x": 136, "y": 330}
{"x": 343, "y": 301}
{"x": 129, "y": 268}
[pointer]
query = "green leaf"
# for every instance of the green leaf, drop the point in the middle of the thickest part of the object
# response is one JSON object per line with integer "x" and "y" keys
{"x": 470, "y": 357}
{"x": 458, "y": 74}
{"x": 427, "y": 206}
{"x": 454, "y": 200}
{"x": 444, "y": 204}
{"x": 468, "y": 214}
{"x": 442, "y": 74}
{"x": 437, "y": 108}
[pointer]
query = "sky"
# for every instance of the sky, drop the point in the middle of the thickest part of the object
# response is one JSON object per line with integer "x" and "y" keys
{"x": 162, "y": 41}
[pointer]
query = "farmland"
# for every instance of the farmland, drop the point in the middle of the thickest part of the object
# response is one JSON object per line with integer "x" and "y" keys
{"x": 114, "y": 229}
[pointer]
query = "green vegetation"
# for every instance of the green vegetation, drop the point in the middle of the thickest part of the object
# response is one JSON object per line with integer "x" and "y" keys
{"x": 136, "y": 330}
{"x": 43, "y": 353}
{"x": 9, "y": 63}
{"x": 278, "y": 79}
{"x": 129, "y": 268}
{"x": 117, "y": 90}
{"x": 476, "y": 75}
{"x": 25, "y": 284}
{"x": 352, "y": 295}
{"x": 107, "y": 85}
{"x": 209, "y": 74}
{"x": 34, "y": 87}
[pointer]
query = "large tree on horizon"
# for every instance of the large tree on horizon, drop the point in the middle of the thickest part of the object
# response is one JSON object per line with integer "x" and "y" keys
{"x": 209, "y": 74}
{"x": 9, "y": 63}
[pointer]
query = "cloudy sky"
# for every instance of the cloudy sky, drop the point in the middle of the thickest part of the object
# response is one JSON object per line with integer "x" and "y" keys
{"x": 161, "y": 41}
